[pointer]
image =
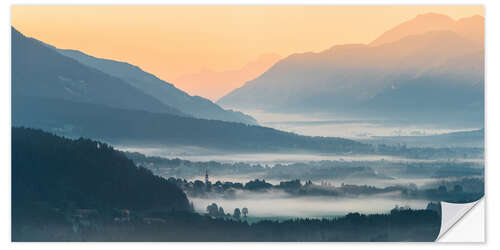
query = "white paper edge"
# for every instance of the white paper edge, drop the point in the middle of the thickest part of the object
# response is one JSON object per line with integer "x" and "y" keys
{"x": 452, "y": 215}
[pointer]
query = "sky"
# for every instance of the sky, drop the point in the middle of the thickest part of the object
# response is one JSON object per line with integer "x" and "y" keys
{"x": 172, "y": 41}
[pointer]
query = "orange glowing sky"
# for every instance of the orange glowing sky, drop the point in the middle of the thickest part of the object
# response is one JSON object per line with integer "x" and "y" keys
{"x": 170, "y": 41}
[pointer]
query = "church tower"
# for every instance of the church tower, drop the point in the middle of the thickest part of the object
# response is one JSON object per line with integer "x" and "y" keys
{"x": 206, "y": 176}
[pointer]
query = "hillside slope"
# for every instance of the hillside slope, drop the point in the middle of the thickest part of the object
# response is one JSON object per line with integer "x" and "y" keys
{"x": 162, "y": 91}
{"x": 85, "y": 174}
{"x": 134, "y": 127}
{"x": 40, "y": 71}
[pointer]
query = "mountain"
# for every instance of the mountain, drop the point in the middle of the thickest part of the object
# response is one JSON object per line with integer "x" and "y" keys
{"x": 135, "y": 127}
{"x": 471, "y": 138}
{"x": 162, "y": 91}
{"x": 61, "y": 95}
{"x": 214, "y": 84}
{"x": 141, "y": 128}
{"x": 467, "y": 27}
{"x": 64, "y": 173}
{"x": 40, "y": 71}
{"x": 404, "y": 79}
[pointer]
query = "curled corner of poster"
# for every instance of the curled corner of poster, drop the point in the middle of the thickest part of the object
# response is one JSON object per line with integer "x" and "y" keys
{"x": 462, "y": 222}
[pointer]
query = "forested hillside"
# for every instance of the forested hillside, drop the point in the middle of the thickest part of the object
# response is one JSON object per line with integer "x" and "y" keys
{"x": 82, "y": 173}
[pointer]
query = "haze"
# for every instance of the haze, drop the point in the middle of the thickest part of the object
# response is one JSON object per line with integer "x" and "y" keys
{"x": 190, "y": 39}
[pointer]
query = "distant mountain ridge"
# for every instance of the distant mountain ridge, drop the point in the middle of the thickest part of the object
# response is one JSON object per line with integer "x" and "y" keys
{"x": 471, "y": 138}
{"x": 215, "y": 84}
{"x": 40, "y": 71}
{"x": 136, "y": 127}
{"x": 393, "y": 79}
{"x": 467, "y": 27}
{"x": 162, "y": 91}
{"x": 56, "y": 93}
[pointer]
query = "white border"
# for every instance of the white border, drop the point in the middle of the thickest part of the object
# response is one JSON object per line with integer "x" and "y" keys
{"x": 463, "y": 231}
{"x": 492, "y": 15}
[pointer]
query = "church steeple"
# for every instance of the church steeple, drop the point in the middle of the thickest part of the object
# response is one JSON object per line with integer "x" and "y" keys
{"x": 206, "y": 176}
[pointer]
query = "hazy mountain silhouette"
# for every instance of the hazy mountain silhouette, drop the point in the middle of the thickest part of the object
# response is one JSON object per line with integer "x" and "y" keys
{"x": 436, "y": 75}
{"x": 58, "y": 94}
{"x": 40, "y": 71}
{"x": 468, "y": 27}
{"x": 163, "y": 91}
{"x": 135, "y": 127}
{"x": 471, "y": 138}
{"x": 214, "y": 84}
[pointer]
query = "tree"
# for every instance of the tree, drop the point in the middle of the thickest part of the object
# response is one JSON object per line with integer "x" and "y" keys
{"x": 213, "y": 210}
{"x": 198, "y": 186}
{"x": 237, "y": 213}
{"x": 458, "y": 188}
{"x": 257, "y": 185}
{"x": 245, "y": 212}
{"x": 83, "y": 166}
